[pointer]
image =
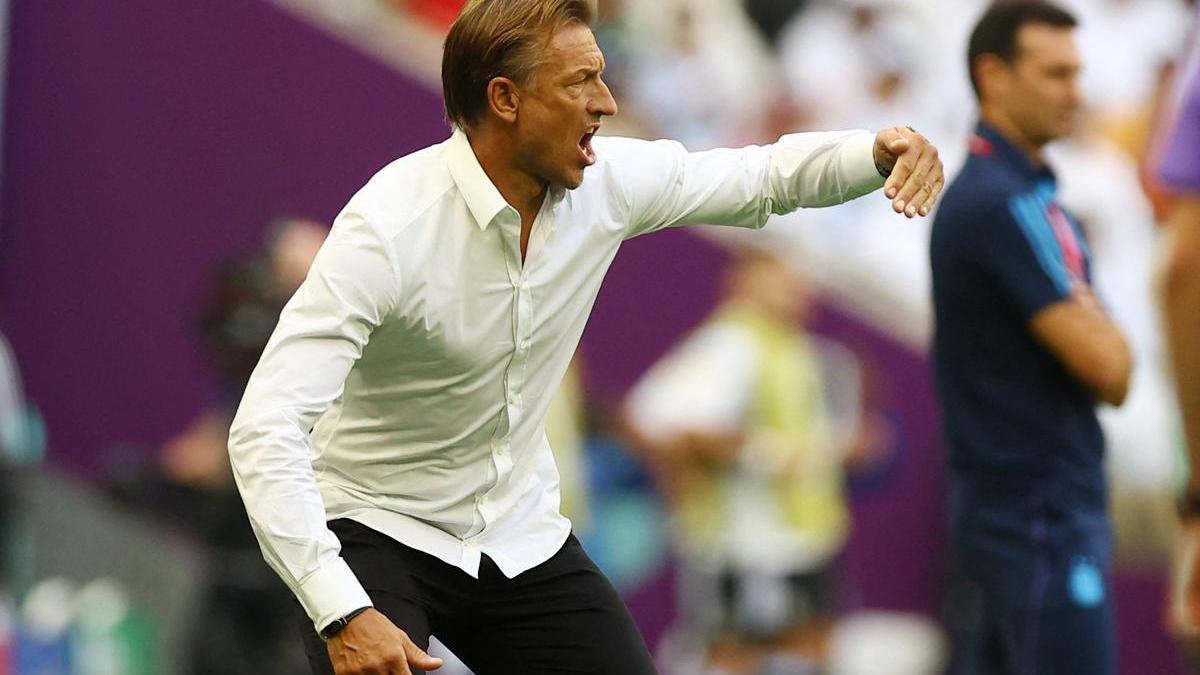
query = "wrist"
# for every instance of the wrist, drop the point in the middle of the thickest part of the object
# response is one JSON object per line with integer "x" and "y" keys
{"x": 883, "y": 171}
{"x": 1187, "y": 504}
{"x": 339, "y": 624}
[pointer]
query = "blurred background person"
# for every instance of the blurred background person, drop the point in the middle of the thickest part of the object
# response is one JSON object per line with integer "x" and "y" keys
{"x": 736, "y": 424}
{"x": 91, "y": 285}
{"x": 192, "y": 483}
{"x": 1180, "y": 294}
{"x": 1023, "y": 351}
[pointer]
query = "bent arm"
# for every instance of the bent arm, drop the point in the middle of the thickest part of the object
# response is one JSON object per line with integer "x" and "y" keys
{"x": 664, "y": 185}
{"x": 321, "y": 334}
{"x": 1179, "y": 291}
{"x": 1020, "y": 246}
{"x": 1087, "y": 342}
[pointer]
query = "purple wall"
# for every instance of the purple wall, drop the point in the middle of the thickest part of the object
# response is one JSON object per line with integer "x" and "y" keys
{"x": 145, "y": 140}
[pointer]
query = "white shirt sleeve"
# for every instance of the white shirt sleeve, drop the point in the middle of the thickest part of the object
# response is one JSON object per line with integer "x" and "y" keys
{"x": 352, "y": 285}
{"x": 664, "y": 185}
{"x": 704, "y": 385}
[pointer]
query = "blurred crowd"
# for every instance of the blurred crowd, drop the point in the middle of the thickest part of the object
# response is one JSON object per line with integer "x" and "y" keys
{"x": 786, "y": 418}
{"x": 714, "y": 73}
{"x": 731, "y": 72}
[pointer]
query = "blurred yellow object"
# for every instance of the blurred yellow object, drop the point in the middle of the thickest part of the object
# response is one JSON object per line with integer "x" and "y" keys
{"x": 565, "y": 432}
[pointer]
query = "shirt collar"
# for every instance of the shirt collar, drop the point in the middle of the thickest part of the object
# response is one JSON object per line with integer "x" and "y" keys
{"x": 481, "y": 195}
{"x": 989, "y": 142}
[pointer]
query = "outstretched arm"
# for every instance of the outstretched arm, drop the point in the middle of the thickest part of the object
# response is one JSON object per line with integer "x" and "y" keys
{"x": 663, "y": 185}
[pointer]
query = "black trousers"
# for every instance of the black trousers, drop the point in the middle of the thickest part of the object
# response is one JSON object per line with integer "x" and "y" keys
{"x": 561, "y": 617}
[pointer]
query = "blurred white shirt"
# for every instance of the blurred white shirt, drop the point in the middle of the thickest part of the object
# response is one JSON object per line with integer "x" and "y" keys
{"x": 707, "y": 384}
{"x": 422, "y": 352}
{"x": 1100, "y": 186}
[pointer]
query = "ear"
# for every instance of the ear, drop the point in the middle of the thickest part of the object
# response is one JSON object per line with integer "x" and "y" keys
{"x": 990, "y": 71}
{"x": 503, "y": 99}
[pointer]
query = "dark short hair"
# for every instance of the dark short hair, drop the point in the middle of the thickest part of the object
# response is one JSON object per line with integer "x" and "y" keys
{"x": 498, "y": 38}
{"x": 996, "y": 32}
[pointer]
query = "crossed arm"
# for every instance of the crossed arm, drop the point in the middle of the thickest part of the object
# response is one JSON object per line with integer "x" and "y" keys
{"x": 1085, "y": 340}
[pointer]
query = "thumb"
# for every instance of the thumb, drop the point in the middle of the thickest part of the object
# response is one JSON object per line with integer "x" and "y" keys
{"x": 417, "y": 657}
{"x": 897, "y": 145}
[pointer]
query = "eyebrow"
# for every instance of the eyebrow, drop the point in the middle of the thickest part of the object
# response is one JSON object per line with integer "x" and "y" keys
{"x": 581, "y": 70}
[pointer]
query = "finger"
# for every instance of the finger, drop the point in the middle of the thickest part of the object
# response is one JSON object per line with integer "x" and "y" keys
{"x": 397, "y": 666}
{"x": 927, "y": 207}
{"x": 1189, "y": 605}
{"x": 927, "y": 195}
{"x": 1183, "y": 590}
{"x": 1183, "y": 620}
{"x": 916, "y": 188}
{"x": 895, "y": 182}
{"x": 910, "y": 196}
{"x": 935, "y": 179}
{"x": 923, "y": 178}
{"x": 897, "y": 147}
{"x": 417, "y": 657}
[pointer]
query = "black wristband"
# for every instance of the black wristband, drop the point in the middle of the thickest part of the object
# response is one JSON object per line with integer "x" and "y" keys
{"x": 338, "y": 624}
{"x": 1188, "y": 504}
{"x": 885, "y": 174}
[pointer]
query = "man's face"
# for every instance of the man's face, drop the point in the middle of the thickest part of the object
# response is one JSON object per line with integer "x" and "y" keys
{"x": 1040, "y": 88}
{"x": 561, "y": 109}
{"x": 774, "y": 288}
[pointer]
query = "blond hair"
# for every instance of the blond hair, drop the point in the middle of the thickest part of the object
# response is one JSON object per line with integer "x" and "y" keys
{"x": 499, "y": 38}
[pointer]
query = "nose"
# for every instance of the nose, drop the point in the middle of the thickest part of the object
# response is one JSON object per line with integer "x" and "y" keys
{"x": 1074, "y": 92}
{"x": 1075, "y": 95}
{"x": 604, "y": 103}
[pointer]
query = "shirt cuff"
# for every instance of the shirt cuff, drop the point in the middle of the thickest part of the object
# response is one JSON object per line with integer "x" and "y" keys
{"x": 331, "y": 593}
{"x": 858, "y": 163}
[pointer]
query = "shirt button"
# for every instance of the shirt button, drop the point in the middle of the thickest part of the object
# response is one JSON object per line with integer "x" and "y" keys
{"x": 471, "y": 542}
{"x": 525, "y": 345}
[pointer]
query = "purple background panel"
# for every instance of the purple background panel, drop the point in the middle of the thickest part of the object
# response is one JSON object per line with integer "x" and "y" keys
{"x": 145, "y": 140}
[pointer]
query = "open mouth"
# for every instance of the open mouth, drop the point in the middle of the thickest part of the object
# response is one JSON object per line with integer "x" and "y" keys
{"x": 585, "y": 148}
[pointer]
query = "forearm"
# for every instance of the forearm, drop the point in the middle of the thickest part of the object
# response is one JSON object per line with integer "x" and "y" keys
{"x": 322, "y": 332}
{"x": 1179, "y": 292}
{"x": 1116, "y": 372}
{"x": 270, "y": 456}
{"x": 1079, "y": 333}
{"x": 822, "y": 169}
{"x": 1182, "y": 312}
{"x": 666, "y": 186}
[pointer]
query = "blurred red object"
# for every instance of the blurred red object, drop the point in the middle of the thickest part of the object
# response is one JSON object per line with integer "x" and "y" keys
{"x": 440, "y": 13}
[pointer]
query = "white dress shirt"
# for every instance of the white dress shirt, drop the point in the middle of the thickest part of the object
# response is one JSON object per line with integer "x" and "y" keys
{"x": 422, "y": 352}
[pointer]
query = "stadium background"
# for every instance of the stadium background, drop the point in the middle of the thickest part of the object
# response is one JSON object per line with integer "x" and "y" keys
{"x": 148, "y": 141}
